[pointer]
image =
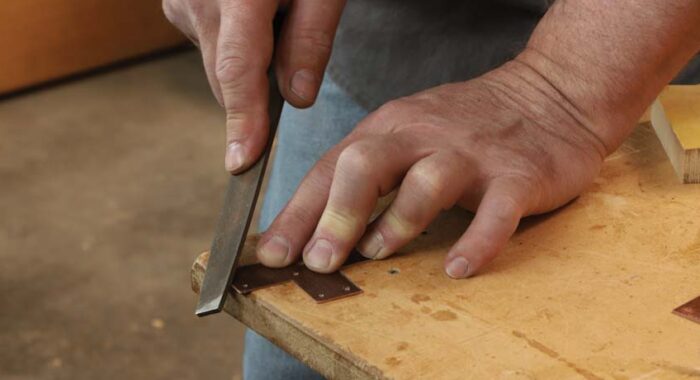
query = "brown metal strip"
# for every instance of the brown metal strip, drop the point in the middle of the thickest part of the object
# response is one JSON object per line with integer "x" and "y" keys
{"x": 690, "y": 310}
{"x": 325, "y": 287}
{"x": 258, "y": 276}
{"x": 321, "y": 287}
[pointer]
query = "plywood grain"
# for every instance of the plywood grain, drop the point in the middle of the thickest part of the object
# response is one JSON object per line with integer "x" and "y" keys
{"x": 584, "y": 292}
{"x": 47, "y": 39}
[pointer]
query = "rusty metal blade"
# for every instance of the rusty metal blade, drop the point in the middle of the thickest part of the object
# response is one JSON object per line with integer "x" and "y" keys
{"x": 239, "y": 204}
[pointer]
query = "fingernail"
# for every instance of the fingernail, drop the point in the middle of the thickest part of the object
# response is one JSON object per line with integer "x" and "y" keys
{"x": 235, "y": 157}
{"x": 304, "y": 84}
{"x": 275, "y": 250}
{"x": 458, "y": 267}
{"x": 370, "y": 246}
{"x": 319, "y": 256}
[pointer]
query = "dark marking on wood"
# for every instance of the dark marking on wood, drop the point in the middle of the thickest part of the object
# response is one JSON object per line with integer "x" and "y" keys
{"x": 392, "y": 361}
{"x": 418, "y": 298}
{"x": 444, "y": 315}
{"x": 555, "y": 355}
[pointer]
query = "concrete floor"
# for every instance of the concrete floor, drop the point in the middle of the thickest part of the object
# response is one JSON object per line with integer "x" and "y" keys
{"x": 109, "y": 187}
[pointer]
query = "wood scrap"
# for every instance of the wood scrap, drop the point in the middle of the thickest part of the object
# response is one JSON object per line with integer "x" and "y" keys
{"x": 675, "y": 116}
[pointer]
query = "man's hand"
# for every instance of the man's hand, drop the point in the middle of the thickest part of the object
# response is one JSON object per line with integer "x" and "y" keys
{"x": 502, "y": 145}
{"x": 520, "y": 140}
{"x": 235, "y": 37}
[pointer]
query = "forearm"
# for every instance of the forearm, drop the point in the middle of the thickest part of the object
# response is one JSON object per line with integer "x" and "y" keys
{"x": 607, "y": 60}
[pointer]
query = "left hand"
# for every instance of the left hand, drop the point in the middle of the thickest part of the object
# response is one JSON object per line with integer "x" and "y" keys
{"x": 504, "y": 145}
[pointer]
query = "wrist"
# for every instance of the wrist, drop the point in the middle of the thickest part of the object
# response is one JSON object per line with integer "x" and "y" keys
{"x": 603, "y": 106}
{"x": 524, "y": 90}
{"x": 610, "y": 60}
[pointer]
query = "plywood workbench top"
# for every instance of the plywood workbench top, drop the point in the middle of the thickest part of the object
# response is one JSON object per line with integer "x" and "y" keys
{"x": 584, "y": 292}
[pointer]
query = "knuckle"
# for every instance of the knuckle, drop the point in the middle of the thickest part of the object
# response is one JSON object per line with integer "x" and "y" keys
{"x": 342, "y": 223}
{"x": 429, "y": 180}
{"x": 336, "y": 216}
{"x": 506, "y": 209}
{"x": 511, "y": 197}
{"x": 387, "y": 116}
{"x": 177, "y": 11}
{"x": 319, "y": 178}
{"x": 356, "y": 159}
{"x": 297, "y": 216}
{"x": 402, "y": 224}
{"x": 317, "y": 40}
{"x": 198, "y": 9}
{"x": 394, "y": 107}
{"x": 230, "y": 66}
{"x": 323, "y": 171}
{"x": 242, "y": 126}
{"x": 238, "y": 126}
{"x": 171, "y": 10}
{"x": 382, "y": 119}
{"x": 367, "y": 125}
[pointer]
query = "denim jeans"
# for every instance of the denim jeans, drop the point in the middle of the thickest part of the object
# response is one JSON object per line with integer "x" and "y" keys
{"x": 303, "y": 137}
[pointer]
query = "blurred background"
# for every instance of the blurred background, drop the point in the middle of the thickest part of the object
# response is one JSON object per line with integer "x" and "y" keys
{"x": 111, "y": 179}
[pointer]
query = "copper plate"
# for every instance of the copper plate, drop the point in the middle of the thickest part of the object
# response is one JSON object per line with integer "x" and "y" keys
{"x": 258, "y": 276}
{"x": 690, "y": 310}
{"x": 321, "y": 287}
{"x": 325, "y": 287}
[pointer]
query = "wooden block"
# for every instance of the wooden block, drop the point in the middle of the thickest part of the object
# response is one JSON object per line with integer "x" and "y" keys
{"x": 675, "y": 116}
{"x": 586, "y": 292}
{"x": 49, "y": 39}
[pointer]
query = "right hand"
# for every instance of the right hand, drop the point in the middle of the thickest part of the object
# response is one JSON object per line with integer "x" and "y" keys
{"x": 236, "y": 41}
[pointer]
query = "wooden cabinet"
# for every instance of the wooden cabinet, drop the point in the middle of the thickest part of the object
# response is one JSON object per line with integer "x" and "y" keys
{"x": 42, "y": 40}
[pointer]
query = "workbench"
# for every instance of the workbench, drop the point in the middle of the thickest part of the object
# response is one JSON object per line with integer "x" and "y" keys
{"x": 586, "y": 291}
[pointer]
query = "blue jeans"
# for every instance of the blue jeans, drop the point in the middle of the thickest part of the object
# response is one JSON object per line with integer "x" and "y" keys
{"x": 303, "y": 137}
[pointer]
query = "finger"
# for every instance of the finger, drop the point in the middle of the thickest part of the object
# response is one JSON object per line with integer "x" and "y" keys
{"x": 365, "y": 171}
{"x": 284, "y": 240}
{"x": 433, "y": 184}
{"x": 243, "y": 54}
{"x": 305, "y": 47}
{"x": 286, "y": 237}
{"x": 495, "y": 222}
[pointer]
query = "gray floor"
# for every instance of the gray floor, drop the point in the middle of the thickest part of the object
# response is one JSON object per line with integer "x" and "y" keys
{"x": 109, "y": 187}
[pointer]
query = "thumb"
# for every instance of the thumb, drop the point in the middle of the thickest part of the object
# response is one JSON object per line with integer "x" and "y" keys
{"x": 244, "y": 52}
{"x": 305, "y": 47}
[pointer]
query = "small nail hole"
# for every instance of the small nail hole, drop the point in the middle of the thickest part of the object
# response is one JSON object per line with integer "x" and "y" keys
{"x": 393, "y": 271}
{"x": 424, "y": 233}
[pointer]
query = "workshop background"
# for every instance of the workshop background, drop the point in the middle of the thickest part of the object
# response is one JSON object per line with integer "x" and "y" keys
{"x": 111, "y": 178}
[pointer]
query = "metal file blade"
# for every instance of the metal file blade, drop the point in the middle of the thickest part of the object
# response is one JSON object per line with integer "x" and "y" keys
{"x": 239, "y": 205}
